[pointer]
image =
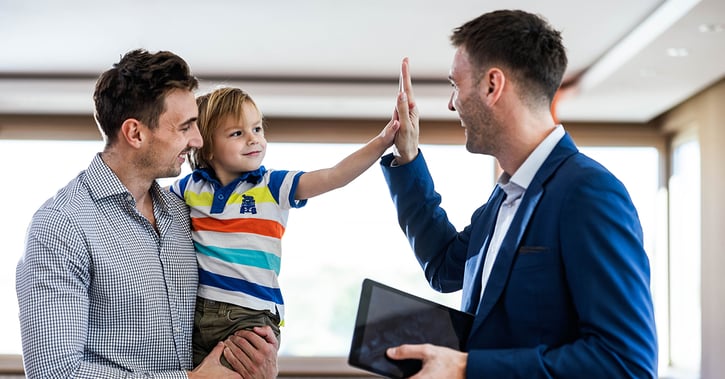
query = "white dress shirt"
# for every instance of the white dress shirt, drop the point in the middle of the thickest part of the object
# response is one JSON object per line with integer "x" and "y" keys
{"x": 515, "y": 187}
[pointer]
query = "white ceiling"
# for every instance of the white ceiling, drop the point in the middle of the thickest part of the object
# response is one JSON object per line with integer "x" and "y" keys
{"x": 333, "y": 58}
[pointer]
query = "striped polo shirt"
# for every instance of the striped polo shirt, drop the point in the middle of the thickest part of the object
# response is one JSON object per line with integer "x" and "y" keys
{"x": 237, "y": 231}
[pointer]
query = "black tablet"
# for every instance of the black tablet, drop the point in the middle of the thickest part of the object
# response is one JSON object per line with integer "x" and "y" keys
{"x": 388, "y": 317}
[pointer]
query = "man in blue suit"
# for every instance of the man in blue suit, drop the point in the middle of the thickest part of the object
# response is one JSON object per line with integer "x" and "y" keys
{"x": 552, "y": 265}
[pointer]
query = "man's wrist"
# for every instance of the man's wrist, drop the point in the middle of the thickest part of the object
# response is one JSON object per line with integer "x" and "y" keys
{"x": 400, "y": 159}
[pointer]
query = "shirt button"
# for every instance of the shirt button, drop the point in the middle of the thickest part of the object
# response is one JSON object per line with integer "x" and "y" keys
{"x": 220, "y": 197}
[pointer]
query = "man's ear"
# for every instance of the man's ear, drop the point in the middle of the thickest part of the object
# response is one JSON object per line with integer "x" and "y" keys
{"x": 492, "y": 85}
{"x": 132, "y": 132}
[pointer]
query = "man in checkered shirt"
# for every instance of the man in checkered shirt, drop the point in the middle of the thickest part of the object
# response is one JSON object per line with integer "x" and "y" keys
{"x": 107, "y": 285}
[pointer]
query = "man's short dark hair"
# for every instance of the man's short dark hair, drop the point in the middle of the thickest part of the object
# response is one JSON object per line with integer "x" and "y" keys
{"x": 520, "y": 42}
{"x": 136, "y": 87}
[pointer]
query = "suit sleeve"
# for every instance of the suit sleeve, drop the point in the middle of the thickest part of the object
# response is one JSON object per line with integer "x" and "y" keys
{"x": 439, "y": 248}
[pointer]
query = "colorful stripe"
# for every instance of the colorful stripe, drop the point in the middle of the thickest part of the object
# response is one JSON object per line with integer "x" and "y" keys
{"x": 241, "y": 285}
{"x": 269, "y": 228}
{"x": 253, "y": 258}
{"x": 206, "y": 199}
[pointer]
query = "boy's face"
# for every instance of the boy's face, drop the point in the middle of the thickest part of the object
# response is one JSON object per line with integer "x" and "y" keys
{"x": 238, "y": 146}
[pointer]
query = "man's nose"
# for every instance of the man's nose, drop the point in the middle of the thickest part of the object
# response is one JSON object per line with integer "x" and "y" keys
{"x": 196, "y": 141}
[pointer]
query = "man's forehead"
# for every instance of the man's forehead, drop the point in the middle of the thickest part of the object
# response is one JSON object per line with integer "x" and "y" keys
{"x": 460, "y": 60}
{"x": 180, "y": 103}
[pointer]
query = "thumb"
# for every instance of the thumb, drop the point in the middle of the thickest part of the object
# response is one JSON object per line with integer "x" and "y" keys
{"x": 396, "y": 352}
{"x": 406, "y": 352}
{"x": 401, "y": 107}
{"x": 395, "y": 126}
{"x": 217, "y": 351}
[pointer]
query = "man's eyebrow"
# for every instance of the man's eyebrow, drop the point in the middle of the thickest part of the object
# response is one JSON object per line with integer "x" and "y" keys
{"x": 190, "y": 121}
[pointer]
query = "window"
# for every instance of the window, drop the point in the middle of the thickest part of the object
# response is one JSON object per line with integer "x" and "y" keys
{"x": 685, "y": 314}
{"x": 343, "y": 236}
{"x": 329, "y": 247}
{"x": 337, "y": 239}
{"x": 35, "y": 170}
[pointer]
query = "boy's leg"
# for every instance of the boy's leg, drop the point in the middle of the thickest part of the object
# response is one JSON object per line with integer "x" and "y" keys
{"x": 245, "y": 318}
{"x": 215, "y": 321}
{"x": 209, "y": 321}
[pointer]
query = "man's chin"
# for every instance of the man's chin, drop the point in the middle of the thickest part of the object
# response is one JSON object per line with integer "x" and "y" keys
{"x": 172, "y": 173}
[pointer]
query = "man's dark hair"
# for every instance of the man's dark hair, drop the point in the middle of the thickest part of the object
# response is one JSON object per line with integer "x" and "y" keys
{"x": 136, "y": 87}
{"x": 520, "y": 42}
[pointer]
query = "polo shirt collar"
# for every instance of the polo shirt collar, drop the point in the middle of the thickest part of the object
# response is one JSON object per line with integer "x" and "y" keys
{"x": 253, "y": 177}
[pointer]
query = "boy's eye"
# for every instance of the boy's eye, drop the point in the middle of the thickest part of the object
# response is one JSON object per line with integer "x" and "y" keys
{"x": 258, "y": 129}
{"x": 236, "y": 134}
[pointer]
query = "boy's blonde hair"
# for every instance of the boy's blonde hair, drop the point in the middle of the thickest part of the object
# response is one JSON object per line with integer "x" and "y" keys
{"x": 213, "y": 108}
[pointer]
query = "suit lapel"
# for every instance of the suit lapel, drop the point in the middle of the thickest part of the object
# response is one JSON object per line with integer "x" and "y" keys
{"x": 502, "y": 267}
{"x": 472, "y": 283}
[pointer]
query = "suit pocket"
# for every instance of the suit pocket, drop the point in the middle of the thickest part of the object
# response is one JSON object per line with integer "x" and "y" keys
{"x": 535, "y": 290}
{"x": 533, "y": 249}
{"x": 533, "y": 257}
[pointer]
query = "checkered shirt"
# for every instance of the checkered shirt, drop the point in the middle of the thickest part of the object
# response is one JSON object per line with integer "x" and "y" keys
{"x": 102, "y": 294}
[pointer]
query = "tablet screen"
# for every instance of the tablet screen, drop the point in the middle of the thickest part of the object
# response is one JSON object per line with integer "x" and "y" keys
{"x": 389, "y": 317}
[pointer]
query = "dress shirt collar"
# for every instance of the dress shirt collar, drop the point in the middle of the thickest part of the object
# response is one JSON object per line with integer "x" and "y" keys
{"x": 525, "y": 174}
{"x": 513, "y": 191}
{"x": 105, "y": 183}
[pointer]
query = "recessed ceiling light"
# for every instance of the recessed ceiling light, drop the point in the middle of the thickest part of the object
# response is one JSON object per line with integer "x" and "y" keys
{"x": 711, "y": 28}
{"x": 677, "y": 52}
{"x": 657, "y": 23}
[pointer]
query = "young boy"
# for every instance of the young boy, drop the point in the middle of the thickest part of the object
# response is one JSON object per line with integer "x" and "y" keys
{"x": 239, "y": 212}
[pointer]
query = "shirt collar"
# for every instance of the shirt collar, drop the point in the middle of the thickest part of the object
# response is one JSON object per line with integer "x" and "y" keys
{"x": 513, "y": 191}
{"x": 103, "y": 181}
{"x": 525, "y": 174}
{"x": 250, "y": 176}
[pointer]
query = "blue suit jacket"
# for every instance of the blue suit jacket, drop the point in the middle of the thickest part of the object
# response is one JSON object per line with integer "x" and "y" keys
{"x": 568, "y": 295}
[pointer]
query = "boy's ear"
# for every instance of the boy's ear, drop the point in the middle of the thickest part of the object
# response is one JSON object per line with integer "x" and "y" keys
{"x": 132, "y": 132}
